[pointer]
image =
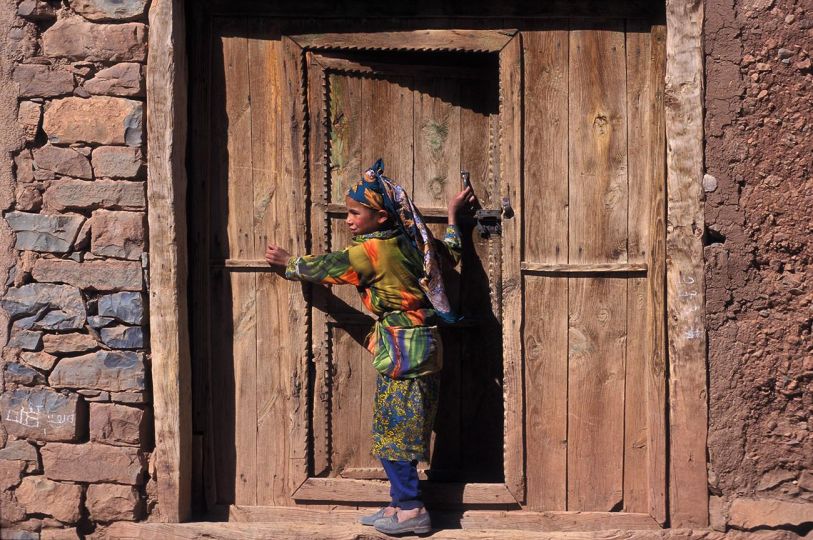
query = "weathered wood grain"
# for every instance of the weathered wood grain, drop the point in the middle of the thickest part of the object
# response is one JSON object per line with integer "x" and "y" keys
{"x": 545, "y": 198}
{"x": 597, "y": 234}
{"x": 344, "y": 104}
{"x": 511, "y": 187}
{"x": 688, "y": 497}
{"x": 166, "y": 196}
{"x": 589, "y": 268}
{"x": 437, "y": 493}
{"x": 639, "y": 158}
{"x": 503, "y": 521}
{"x": 422, "y": 40}
{"x": 321, "y": 115}
{"x": 239, "y": 235}
{"x": 436, "y": 132}
{"x": 269, "y": 214}
{"x": 297, "y": 322}
{"x": 656, "y": 301}
{"x": 387, "y": 106}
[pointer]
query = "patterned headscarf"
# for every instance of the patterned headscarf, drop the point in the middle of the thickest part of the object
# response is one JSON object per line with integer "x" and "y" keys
{"x": 378, "y": 192}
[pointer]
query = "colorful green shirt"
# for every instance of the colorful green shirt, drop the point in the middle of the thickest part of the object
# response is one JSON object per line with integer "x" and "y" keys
{"x": 385, "y": 269}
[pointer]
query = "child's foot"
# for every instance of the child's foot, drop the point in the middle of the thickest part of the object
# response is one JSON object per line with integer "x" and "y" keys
{"x": 415, "y": 521}
{"x": 387, "y": 511}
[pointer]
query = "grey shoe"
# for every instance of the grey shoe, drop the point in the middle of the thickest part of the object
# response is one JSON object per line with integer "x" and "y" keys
{"x": 420, "y": 524}
{"x": 371, "y": 519}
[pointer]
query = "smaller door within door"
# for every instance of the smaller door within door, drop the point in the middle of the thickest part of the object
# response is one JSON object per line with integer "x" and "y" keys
{"x": 427, "y": 121}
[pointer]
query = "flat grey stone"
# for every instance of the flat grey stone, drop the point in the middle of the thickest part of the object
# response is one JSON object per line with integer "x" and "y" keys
{"x": 26, "y": 340}
{"x": 38, "y": 232}
{"x": 43, "y": 414}
{"x": 123, "y": 337}
{"x": 21, "y": 374}
{"x": 127, "y": 307}
{"x": 52, "y": 306}
{"x": 113, "y": 371}
{"x": 96, "y": 321}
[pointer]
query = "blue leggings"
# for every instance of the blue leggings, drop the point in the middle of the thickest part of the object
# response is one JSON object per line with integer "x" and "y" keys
{"x": 405, "y": 491}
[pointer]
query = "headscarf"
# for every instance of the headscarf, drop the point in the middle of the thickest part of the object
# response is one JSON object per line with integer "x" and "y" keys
{"x": 378, "y": 192}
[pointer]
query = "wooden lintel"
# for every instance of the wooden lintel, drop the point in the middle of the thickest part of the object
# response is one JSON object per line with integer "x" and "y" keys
{"x": 411, "y": 40}
{"x": 242, "y": 264}
{"x": 685, "y": 290}
{"x": 166, "y": 196}
{"x": 370, "y": 491}
{"x": 603, "y": 268}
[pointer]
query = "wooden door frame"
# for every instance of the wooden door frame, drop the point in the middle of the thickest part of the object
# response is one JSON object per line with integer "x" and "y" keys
{"x": 685, "y": 297}
{"x": 506, "y": 44}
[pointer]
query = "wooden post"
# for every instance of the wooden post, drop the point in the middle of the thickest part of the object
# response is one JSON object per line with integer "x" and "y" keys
{"x": 688, "y": 410}
{"x": 166, "y": 196}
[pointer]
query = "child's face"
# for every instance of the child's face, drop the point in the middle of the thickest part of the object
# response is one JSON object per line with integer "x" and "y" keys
{"x": 363, "y": 219}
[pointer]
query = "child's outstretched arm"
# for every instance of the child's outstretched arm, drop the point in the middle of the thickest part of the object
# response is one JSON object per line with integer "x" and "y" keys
{"x": 332, "y": 268}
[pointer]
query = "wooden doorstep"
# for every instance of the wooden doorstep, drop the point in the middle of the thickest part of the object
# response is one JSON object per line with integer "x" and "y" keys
{"x": 598, "y": 268}
{"x": 371, "y": 491}
{"x": 290, "y": 530}
{"x": 519, "y": 520}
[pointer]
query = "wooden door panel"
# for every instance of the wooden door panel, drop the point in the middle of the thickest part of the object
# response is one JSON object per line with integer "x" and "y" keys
{"x": 592, "y": 429}
{"x": 412, "y": 120}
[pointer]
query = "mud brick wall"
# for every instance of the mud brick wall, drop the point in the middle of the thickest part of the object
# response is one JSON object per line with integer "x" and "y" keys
{"x": 759, "y": 260}
{"x": 76, "y": 429}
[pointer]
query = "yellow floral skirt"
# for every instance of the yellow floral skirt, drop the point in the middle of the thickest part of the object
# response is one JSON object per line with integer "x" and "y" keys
{"x": 403, "y": 418}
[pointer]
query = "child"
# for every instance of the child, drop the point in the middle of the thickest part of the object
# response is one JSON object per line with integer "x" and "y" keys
{"x": 394, "y": 264}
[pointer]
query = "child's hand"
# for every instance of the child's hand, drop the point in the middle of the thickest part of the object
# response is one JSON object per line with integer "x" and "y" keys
{"x": 460, "y": 201}
{"x": 276, "y": 256}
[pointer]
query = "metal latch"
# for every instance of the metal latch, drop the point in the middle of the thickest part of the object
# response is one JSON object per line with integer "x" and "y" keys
{"x": 489, "y": 221}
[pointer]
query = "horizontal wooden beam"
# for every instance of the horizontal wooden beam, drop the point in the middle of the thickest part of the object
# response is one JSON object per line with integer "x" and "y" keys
{"x": 599, "y": 268}
{"x": 410, "y": 40}
{"x": 255, "y": 265}
{"x": 351, "y": 490}
{"x": 336, "y": 209}
{"x": 335, "y": 63}
{"x": 470, "y": 519}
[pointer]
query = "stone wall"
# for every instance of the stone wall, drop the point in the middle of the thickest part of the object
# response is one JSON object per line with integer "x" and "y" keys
{"x": 759, "y": 259}
{"x": 75, "y": 430}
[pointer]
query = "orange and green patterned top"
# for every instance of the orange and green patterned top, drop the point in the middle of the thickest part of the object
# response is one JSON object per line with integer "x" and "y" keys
{"x": 385, "y": 268}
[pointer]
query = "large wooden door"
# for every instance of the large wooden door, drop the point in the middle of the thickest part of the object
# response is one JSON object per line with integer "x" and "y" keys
{"x": 553, "y": 389}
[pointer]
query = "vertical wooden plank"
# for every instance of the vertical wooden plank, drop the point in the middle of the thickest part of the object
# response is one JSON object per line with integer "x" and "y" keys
{"x": 387, "y": 106}
{"x": 545, "y": 195}
{"x": 639, "y": 159}
{"x": 320, "y": 132}
{"x": 597, "y": 233}
{"x": 271, "y": 302}
{"x": 294, "y": 227}
{"x": 656, "y": 302}
{"x": 345, "y": 134}
{"x": 347, "y": 434}
{"x": 688, "y": 496}
{"x": 436, "y": 132}
{"x": 166, "y": 195}
{"x": 239, "y": 237}
{"x": 511, "y": 187}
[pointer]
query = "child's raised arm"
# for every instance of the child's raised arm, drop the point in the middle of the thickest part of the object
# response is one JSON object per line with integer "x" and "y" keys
{"x": 451, "y": 240}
